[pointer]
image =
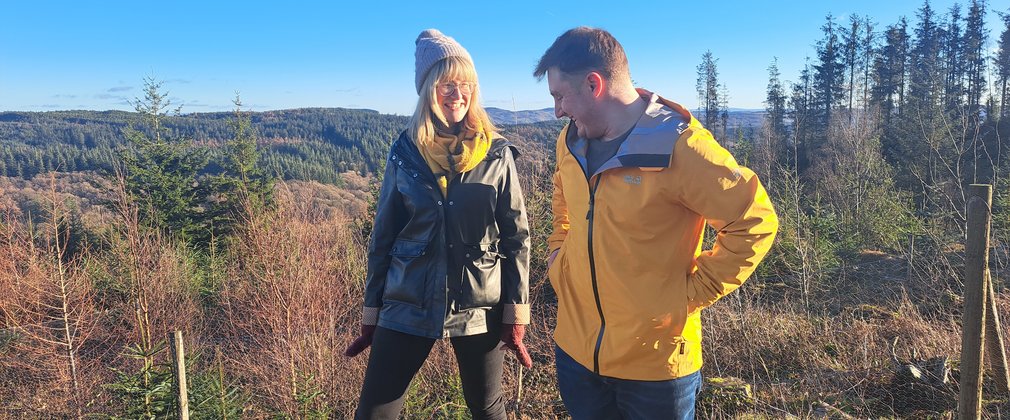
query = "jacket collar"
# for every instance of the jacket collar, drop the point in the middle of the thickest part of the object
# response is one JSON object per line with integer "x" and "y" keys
{"x": 650, "y": 143}
{"x": 405, "y": 150}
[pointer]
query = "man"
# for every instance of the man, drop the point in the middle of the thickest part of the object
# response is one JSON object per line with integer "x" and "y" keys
{"x": 637, "y": 178}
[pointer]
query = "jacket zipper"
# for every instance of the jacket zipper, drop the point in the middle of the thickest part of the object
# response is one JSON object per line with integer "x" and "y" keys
{"x": 433, "y": 185}
{"x": 592, "y": 273}
{"x": 592, "y": 262}
{"x": 445, "y": 222}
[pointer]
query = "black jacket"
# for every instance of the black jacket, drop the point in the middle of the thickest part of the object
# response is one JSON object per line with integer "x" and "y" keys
{"x": 445, "y": 267}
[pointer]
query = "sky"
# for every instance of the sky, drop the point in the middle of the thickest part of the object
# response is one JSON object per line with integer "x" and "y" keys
{"x": 96, "y": 55}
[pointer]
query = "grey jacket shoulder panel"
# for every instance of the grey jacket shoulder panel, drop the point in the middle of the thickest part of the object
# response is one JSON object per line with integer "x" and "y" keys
{"x": 649, "y": 145}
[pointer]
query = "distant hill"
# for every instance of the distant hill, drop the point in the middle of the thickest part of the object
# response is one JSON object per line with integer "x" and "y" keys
{"x": 746, "y": 118}
{"x": 506, "y": 117}
{"x": 738, "y": 117}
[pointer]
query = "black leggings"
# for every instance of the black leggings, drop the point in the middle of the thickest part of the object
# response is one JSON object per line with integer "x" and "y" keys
{"x": 396, "y": 357}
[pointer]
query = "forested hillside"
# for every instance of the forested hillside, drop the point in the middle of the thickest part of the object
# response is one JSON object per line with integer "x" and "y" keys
{"x": 306, "y": 144}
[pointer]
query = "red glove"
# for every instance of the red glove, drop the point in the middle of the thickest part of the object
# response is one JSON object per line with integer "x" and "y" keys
{"x": 512, "y": 336}
{"x": 362, "y": 342}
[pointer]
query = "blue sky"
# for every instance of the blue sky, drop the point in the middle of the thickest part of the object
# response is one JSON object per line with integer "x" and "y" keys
{"x": 57, "y": 55}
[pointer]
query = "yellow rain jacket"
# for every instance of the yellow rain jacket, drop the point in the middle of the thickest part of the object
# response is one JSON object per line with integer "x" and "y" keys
{"x": 631, "y": 277}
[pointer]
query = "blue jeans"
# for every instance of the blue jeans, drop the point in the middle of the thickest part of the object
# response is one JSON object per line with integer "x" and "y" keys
{"x": 590, "y": 396}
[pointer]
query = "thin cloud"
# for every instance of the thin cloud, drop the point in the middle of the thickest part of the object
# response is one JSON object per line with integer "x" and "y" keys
{"x": 119, "y": 89}
{"x": 64, "y": 96}
{"x": 106, "y": 96}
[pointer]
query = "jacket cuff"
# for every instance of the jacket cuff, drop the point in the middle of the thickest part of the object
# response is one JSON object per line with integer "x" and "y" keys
{"x": 369, "y": 316}
{"x": 516, "y": 313}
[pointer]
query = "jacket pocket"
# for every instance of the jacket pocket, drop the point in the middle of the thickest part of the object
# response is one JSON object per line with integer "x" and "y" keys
{"x": 554, "y": 271}
{"x": 408, "y": 272}
{"x": 481, "y": 276}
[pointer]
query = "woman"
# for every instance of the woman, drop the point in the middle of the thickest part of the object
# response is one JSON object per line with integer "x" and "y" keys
{"x": 449, "y": 255}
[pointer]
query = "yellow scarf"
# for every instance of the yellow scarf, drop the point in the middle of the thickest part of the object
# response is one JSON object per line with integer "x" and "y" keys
{"x": 449, "y": 155}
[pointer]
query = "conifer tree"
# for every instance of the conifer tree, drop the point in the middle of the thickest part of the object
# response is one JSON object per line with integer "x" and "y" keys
{"x": 851, "y": 40}
{"x": 162, "y": 172}
{"x": 1002, "y": 63}
{"x": 775, "y": 109}
{"x": 709, "y": 91}
{"x": 867, "y": 51}
{"x": 923, "y": 76}
{"x": 890, "y": 71}
{"x": 975, "y": 37}
{"x": 954, "y": 66}
{"x": 828, "y": 86}
{"x": 800, "y": 111}
{"x": 242, "y": 186}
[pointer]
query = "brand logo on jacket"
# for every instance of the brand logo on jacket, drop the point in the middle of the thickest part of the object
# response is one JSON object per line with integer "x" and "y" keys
{"x": 633, "y": 180}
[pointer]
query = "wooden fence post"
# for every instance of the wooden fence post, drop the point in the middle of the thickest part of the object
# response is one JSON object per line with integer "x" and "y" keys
{"x": 179, "y": 368}
{"x": 911, "y": 256}
{"x": 973, "y": 320}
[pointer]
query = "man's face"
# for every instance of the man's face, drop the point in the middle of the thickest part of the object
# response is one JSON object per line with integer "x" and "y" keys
{"x": 574, "y": 99}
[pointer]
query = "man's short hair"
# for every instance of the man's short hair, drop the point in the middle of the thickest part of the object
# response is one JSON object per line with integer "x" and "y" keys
{"x": 582, "y": 50}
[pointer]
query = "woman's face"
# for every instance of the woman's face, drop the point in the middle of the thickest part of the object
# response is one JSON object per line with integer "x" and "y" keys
{"x": 454, "y": 98}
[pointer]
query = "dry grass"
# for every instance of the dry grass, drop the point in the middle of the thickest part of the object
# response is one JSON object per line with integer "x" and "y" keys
{"x": 287, "y": 296}
{"x": 47, "y": 312}
{"x": 291, "y": 304}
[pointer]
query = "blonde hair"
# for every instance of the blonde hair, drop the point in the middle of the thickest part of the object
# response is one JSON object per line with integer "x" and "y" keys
{"x": 428, "y": 113}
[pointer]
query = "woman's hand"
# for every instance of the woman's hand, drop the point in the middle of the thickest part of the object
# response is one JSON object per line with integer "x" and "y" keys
{"x": 362, "y": 342}
{"x": 512, "y": 336}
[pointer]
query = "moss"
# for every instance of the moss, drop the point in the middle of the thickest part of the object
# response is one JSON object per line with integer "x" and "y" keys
{"x": 725, "y": 395}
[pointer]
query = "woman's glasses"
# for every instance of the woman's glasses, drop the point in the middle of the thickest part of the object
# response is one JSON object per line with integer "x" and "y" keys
{"x": 446, "y": 89}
